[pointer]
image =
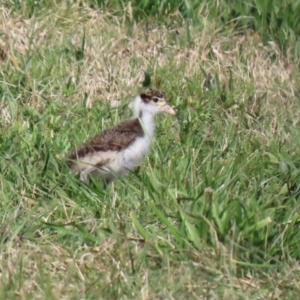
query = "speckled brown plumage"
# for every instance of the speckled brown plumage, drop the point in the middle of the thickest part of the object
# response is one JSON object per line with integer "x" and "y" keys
{"x": 112, "y": 139}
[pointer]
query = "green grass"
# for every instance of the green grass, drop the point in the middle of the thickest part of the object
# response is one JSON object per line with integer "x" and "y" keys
{"x": 211, "y": 213}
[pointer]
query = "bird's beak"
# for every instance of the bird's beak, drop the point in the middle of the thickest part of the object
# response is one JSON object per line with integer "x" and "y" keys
{"x": 166, "y": 108}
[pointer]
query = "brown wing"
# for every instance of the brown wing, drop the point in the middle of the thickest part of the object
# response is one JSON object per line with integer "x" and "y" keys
{"x": 112, "y": 139}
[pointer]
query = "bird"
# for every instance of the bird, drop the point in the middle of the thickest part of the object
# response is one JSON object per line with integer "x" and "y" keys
{"x": 118, "y": 150}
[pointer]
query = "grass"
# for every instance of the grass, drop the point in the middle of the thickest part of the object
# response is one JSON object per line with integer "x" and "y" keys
{"x": 212, "y": 213}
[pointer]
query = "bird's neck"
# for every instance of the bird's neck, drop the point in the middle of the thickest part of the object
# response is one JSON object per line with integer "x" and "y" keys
{"x": 147, "y": 121}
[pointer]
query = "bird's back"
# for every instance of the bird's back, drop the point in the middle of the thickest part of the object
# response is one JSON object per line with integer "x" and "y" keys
{"x": 113, "y": 148}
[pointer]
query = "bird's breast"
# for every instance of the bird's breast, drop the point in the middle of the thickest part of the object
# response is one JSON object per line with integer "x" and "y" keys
{"x": 136, "y": 151}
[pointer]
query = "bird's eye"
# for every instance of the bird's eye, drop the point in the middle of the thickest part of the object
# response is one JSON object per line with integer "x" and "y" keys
{"x": 155, "y": 100}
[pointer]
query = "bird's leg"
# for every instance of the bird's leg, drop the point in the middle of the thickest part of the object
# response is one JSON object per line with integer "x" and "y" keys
{"x": 84, "y": 177}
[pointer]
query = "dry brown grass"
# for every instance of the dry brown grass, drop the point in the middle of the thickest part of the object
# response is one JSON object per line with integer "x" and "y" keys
{"x": 53, "y": 270}
{"x": 115, "y": 57}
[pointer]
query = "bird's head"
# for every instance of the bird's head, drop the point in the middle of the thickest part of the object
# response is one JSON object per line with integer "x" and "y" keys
{"x": 152, "y": 101}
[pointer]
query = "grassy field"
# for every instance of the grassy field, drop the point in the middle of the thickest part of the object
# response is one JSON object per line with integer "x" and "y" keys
{"x": 212, "y": 213}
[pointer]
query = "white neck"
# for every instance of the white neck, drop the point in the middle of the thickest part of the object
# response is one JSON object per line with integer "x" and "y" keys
{"x": 135, "y": 105}
{"x": 146, "y": 118}
{"x": 147, "y": 121}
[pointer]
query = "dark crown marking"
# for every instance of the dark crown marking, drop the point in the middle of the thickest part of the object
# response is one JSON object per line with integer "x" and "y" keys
{"x": 149, "y": 94}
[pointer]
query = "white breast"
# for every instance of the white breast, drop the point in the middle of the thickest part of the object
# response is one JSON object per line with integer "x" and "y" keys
{"x": 130, "y": 157}
{"x": 134, "y": 153}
